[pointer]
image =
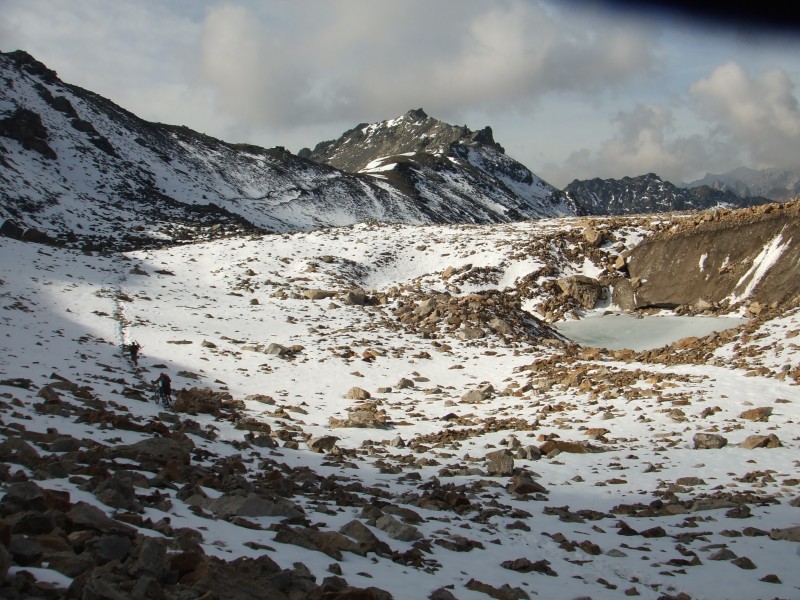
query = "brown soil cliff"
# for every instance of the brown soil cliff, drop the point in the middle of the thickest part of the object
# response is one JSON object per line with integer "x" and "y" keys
{"x": 724, "y": 258}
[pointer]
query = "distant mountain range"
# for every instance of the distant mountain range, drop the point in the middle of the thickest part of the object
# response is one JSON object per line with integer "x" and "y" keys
{"x": 776, "y": 184}
{"x": 647, "y": 194}
{"x": 77, "y": 168}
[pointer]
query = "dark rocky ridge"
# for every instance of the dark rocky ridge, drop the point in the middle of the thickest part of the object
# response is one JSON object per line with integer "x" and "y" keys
{"x": 647, "y": 194}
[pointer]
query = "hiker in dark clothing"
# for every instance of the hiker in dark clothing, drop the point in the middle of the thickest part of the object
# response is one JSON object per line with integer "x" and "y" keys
{"x": 133, "y": 349}
{"x": 164, "y": 388}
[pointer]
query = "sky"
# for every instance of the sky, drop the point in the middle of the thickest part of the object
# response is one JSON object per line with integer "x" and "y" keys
{"x": 572, "y": 89}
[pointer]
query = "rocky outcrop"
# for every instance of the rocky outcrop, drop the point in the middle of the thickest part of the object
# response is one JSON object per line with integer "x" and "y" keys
{"x": 26, "y": 127}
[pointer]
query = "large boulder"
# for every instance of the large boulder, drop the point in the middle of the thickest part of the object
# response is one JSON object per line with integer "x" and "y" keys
{"x": 585, "y": 290}
{"x": 500, "y": 463}
{"x": 761, "y": 441}
{"x": 762, "y": 413}
{"x": 201, "y": 400}
{"x": 357, "y": 393}
{"x": 159, "y": 450}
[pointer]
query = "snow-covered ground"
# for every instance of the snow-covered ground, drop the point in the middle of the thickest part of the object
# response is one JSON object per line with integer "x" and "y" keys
{"x": 639, "y": 511}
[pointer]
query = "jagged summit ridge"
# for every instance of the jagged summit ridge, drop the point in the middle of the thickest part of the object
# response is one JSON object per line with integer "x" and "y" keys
{"x": 442, "y": 165}
{"x": 411, "y": 132}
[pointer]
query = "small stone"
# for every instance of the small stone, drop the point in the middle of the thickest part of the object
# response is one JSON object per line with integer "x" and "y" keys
{"x": 723, "y": 554}
{"x": 744, "y": 563}
{"x": 654, "y": 532}
{"x": 632, "y": 592}
{"x": 357, "y": 393}
{"x": 441, "y": 594}
{"x": 739, "y": 512}
{"x": 690, "y": 481}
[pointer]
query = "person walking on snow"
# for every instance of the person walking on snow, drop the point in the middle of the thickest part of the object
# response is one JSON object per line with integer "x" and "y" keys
{"x": 133, "y": 350}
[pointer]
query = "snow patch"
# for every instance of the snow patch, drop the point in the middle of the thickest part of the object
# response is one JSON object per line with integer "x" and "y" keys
{"x": 761, "y": 265}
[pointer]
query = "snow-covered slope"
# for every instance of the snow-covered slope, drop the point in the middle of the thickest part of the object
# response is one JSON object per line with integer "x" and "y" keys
{"x": 382, "y": 414}
{"x": 75, "y": 166}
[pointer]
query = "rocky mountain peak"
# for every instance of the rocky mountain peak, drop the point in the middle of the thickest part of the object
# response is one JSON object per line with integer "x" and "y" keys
{"x": 411, "y": 133}
{"x": 25, "y": 62}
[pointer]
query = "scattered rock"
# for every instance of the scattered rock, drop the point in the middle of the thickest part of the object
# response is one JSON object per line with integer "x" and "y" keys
{"x": 709, "y": 441}
{"x": 723, "y": 554}
{"x": 524, "y": 484}
{"x": 761, "y": 413}
{"x": 357, "y": 393}
{"x": 761, "y": 441}
{"x": 744, "y": 563}
{"x": 317, "y": 294}
{"x": 324, "y": 443}
{"x": 523, "y": 565}
{"x": 790, "y": 534}
{"x": 505, "y": 592}
{"x": 397, "y": 530}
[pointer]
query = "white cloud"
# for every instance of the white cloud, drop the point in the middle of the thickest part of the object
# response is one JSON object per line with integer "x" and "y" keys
{"x": 139, "y": 54}
{"x": 361, "y": 60}
{"x": 751, "y": 120}
{"x": 758, "y": 113}
{"x": 646, "y": 142}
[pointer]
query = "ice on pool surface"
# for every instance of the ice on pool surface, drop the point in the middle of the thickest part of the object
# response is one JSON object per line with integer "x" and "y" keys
{"x": 617, "y": 331}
